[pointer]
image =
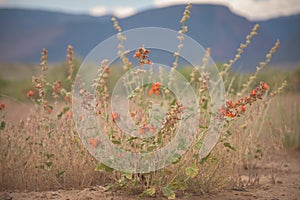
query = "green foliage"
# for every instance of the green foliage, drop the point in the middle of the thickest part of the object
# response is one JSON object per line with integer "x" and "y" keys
{"x": 2, "y": 125}
{"x": 192, "y": 171}
{"x": 228, "y": 145}
{"x": 103, "y": 167}
{"x": 150, "y": 192}
{"x": 168, "y": 192}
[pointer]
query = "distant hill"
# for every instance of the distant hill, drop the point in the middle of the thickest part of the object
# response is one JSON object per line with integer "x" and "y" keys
{"x": 25, "y": 32}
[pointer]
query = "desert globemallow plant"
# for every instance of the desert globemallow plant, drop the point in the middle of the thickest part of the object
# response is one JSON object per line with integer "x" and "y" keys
{"x": 45, "y": 150}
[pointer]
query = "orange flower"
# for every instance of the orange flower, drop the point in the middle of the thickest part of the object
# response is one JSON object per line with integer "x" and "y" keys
{"x": 243, "y": 108}
{"x": 49, "y": 110}
{"x": 154, "y": 89}
{"x": 143, "y": 128}
{"x": 247, "y": 99}
{"x": 114, "y": 116}
{"x": 94, "y": 142}
{"x": 30, "y": 93}
{"x": 265, "y": 86}
{"x": 107, "y": 70}
{"x": 230, "y": 104}
{"x": 70, "y": 114}
{"x": 230, "y": 114}
{"x": 67, "y": 98}
{"x": 137, "y": 54}
{"x": 141, "y": 55}
{"x": 253, "y": 93}
{"x": 2, "y": 106}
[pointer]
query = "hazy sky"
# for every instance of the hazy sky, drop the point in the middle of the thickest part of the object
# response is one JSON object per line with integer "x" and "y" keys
{"x": 252, "y": 9}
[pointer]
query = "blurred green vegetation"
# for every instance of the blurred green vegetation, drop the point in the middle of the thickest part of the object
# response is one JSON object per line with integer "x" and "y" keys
{"x": 16, "y": 79}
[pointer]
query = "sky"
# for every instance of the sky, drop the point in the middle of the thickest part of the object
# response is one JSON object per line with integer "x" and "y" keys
{"x": 251, "y": 9}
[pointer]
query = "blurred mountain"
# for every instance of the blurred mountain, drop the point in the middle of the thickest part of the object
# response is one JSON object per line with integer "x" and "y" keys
{"x": 23, "y": 33}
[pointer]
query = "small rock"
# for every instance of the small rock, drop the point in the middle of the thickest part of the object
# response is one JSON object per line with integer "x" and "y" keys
{"x": 54, "y": 194}
{"x": 266, "y": 187}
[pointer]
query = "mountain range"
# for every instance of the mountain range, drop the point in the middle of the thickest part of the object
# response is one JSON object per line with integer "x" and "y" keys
{"x": 25, "y": 32}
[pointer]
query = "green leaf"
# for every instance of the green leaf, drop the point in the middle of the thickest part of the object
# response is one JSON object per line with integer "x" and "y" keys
{"x": 122, "y": 181}
{"x": 131, "y": 95}
{"x": 199, "y": 141}
{"x": 228, "y": 133}
{"x": 159, "y": 137}
{"x": 59, "y": 173}
{"x": 168, "y": 171}
{"x": 49, "y": 155}
{"x": 168, "y": 192}
{"x": 151, "y": 147}
{"x": 130, "y": 139}
{"x": 2, "y": 125}
{"x": 116, "y": 141}
{"x": 228, "y": 119}
{"x": 38, "y": 102}
{"x": 179, "y": 184}
{"x": 127, "y": 175}
{"x": 203, "y": 126}
{"x": 202, "y": 161}
{"x": 59, "y": 115}
{"x": 228, "y": 145}
{"x": 192, "y": 171}
{"x": 150, "y": 192}
{"x": 173, "y": 102}
{"x": 111, "y": 132}
{"x": 108, "y": 187}
{"x": 198, "y": 145}
{"x": 66, "y": 109}
{"x": 205, "y": 104}
{"x": 175, "y": 158}
{"x": 48, "y": 163}
{"x": 102, "y": 167}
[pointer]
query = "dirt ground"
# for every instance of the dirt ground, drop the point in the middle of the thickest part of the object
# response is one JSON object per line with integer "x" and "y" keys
{"x": 285, "y": 185}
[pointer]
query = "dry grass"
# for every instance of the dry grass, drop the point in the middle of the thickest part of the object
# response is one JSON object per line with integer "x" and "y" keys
{"x": 283, "y": 120}
{"x": 43, "y": 150}
{"x": 27, "y": 147}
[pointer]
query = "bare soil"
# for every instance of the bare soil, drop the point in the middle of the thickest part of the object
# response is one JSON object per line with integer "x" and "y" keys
{"x": 279, "y": 180}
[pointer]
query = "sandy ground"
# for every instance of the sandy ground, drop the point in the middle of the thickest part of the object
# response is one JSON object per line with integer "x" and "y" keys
{"x": 285, "y": 185}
